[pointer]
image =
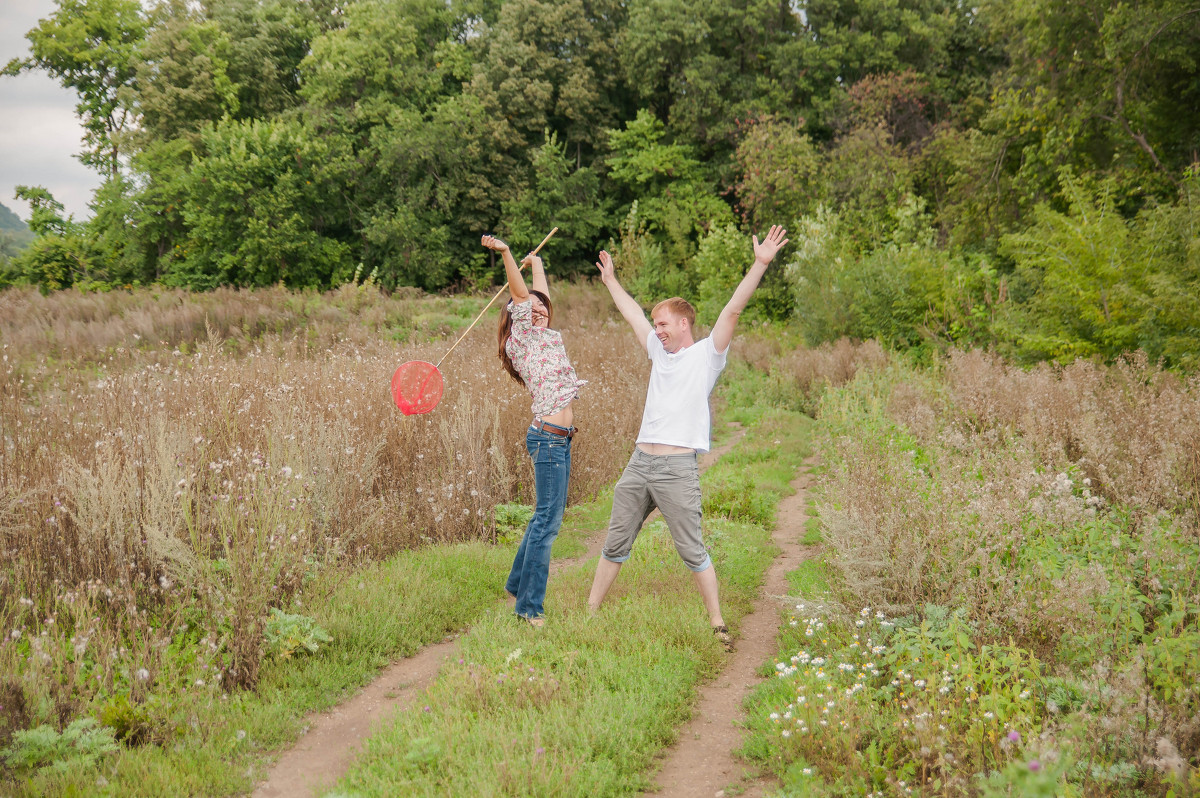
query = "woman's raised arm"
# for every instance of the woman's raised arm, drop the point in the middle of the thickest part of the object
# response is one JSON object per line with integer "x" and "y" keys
{"x": 516, "y": 283}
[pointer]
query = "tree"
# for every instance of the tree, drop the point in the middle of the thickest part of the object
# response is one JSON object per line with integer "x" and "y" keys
{"x": 183, "y": 75}
{"x": 1098, "y": 85}
{"x": 675, "y": 200}
{"x": 1093, "y": 283}
{"x": 387, "y": 88}
{"x": 268, "y": 40}
{"x": 550, "y": 65}
{"x": 562, "y": 196}
{"x": 841, "y": 43}
{"x": 780, "y": 172}
{"x": 58, "y": 257}
{"x": 91, "y": 46}
{"x": 260, "y": 206}
{"x": 389, "y": 54}
{"x": 701, "y": 66}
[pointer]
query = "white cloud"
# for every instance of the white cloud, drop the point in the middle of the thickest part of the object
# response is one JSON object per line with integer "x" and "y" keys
{"x": 39, "y": 132}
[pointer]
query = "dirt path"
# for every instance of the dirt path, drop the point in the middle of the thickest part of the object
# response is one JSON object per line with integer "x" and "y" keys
{"x": 702, "y": 763}
{"x": 333, "y": 738}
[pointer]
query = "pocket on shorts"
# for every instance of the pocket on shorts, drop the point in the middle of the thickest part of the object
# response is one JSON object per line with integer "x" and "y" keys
{"x": 685, "y": 468}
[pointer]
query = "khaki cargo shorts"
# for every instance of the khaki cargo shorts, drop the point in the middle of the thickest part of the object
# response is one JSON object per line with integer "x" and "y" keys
{"x": 669, "y": 482}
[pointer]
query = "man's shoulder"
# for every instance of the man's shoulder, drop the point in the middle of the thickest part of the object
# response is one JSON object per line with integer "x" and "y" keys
{"x": 708, "y": 347}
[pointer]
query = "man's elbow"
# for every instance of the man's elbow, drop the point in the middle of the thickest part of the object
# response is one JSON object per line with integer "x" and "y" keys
{"x": 730, "y": 316}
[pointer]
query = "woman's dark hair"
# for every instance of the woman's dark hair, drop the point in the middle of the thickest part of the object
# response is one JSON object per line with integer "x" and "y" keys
{"x": 506, "y": 333}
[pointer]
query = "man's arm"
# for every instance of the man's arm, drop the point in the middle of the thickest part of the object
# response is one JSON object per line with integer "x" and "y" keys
{"x": 764, "y": 253}
{"x": 627, "y": 305}
{"x": 516, "y": 283}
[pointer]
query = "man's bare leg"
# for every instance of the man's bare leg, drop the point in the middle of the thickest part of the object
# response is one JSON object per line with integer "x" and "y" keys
{"x": 606, "y": 574}
{"x": 706, "y": 580}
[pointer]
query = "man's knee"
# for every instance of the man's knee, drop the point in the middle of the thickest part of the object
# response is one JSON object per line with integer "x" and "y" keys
{"x": 615, "y": 557}
{"x": 696, "y": 559}
{"x": 619, "y": 542}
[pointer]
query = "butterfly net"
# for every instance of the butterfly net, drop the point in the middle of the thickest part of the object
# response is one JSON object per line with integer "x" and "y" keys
{"x": 416, "y": 387}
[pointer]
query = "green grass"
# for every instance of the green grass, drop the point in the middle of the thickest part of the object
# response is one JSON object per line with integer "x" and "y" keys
{"x": 944, "y": 702}
{"x": 585, "y": 705}
{"x": 810, "y": 579}
{"x": 607, "y": 692}
{"x": 580, "y": 523}
{"x": 378, "y": 614}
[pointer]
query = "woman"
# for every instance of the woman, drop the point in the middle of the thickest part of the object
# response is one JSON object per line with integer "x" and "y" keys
{"x": 534, "y": 355}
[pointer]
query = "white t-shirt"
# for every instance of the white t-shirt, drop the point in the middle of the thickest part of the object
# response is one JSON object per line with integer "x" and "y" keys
{"x": 677, "y": 400}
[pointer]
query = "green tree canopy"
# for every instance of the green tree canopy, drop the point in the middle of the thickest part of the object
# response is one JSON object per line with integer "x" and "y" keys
{"x": 91, "y": 46}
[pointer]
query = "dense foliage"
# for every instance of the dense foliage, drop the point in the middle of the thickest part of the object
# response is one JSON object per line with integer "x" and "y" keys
{"x": 1018, "y": 173}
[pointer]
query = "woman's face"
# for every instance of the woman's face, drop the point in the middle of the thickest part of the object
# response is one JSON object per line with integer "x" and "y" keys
{"x": 541, "y": 317}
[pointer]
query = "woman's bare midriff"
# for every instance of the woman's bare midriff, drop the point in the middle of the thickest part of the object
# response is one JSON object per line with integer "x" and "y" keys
{"x": 664, "y": 448}
{"x": 563, "y": 418}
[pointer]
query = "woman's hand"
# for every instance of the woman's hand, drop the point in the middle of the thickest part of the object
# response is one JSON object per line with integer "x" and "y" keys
{"x": 533, "y": 261}
{"x": 493, "y": 243}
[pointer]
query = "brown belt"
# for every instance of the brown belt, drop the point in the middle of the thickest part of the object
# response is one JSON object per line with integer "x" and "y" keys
{"x": 553, "y": 429}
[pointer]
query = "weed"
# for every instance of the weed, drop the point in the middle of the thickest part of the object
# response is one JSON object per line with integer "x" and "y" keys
{"x": 83, "y": 742}
{"x": 288, "y": 635}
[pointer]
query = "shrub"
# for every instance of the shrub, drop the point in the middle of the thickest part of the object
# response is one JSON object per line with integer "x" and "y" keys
{"x": 187, "y": 462}
{"x": 511, "y": 520}
{"x": 1051, "y": 510}
{"x": 83, "y": 743}
{"x": 287, "y": 634}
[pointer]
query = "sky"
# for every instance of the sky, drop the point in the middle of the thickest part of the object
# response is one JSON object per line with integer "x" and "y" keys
{"x": 39, "y": 131}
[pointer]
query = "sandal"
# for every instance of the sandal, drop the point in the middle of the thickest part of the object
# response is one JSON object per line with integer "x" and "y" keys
{"x": 722, "y": 634}
{"x": 536, "y": 623}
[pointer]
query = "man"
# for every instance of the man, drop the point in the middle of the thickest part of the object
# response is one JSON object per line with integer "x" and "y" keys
{"x": 663, "y": 472}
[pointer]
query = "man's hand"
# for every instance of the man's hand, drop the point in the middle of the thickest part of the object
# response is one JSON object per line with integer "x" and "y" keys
{"x": 630, "y": 310}
{"x": 605, "y": 266}
{"x": 493, "y": 243}
{"x": 766, "y": 251}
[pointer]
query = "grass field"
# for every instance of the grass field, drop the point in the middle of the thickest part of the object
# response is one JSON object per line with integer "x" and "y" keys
{"x": 1009, "y": 598}
{"x": 214, "y": 521}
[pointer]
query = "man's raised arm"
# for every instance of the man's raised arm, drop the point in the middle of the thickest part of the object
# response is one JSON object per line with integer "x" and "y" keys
{"x": 764, "y": 253}
{"x": 627, "y": 305}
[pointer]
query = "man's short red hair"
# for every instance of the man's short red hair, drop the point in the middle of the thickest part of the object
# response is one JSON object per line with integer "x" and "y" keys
{"x": 680, "y": 307}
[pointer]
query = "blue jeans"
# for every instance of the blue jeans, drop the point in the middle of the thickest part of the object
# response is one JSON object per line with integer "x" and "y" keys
{"x": 551, "y": 455}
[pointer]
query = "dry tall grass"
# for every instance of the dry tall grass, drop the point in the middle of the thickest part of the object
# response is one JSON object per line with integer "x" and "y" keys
{"x": 1058, "y": 506}
{"x": 168, "y": 455}
{"x": 1132, "y": 429}
{"x": 796, "y": 376}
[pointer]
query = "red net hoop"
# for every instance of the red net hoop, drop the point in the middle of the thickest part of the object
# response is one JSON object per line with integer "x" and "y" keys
{"x": 416, "y": 387}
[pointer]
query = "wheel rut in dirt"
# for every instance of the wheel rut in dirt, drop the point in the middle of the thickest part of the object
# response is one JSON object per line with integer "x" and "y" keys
{"x": 702, "y": 762}
{"x": 334, "y": 737}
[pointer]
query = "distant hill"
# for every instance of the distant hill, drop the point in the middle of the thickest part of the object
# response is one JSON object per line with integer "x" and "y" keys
{"x": 15, "y": 235}
{"x": 10, "y": 221}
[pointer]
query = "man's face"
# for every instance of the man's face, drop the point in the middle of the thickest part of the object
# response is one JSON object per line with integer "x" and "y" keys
{"x": 672, "y": 329}
{"x": 541, "y": 318}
